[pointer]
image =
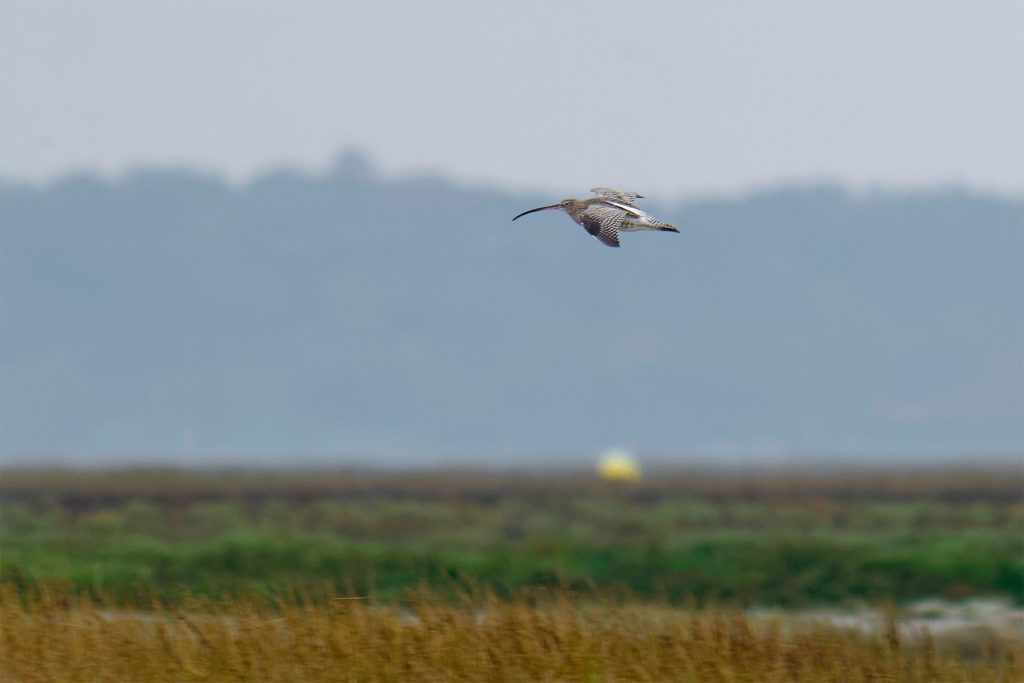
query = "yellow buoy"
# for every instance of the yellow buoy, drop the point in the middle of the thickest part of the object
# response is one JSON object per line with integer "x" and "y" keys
{"x": 618, "y": 465}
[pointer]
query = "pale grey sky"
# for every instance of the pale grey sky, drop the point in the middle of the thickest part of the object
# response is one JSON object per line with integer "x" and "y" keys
{"x": 669, "y": 98}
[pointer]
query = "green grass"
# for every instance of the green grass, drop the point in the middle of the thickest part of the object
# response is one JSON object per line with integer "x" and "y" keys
{"x": 785, "y": 544}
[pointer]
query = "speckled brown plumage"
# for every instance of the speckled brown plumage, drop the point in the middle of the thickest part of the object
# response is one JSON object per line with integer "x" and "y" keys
{"x": 608, "y": 213}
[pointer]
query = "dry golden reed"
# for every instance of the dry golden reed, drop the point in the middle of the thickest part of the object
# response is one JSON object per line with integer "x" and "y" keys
{"x": 51, "y": 635}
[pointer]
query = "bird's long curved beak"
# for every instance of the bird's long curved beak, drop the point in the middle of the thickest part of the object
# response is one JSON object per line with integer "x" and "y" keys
{"x": 541, "y": 208}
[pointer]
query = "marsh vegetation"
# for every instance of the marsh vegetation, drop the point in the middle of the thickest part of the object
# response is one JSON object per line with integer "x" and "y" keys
{"x": 171, "y": 575}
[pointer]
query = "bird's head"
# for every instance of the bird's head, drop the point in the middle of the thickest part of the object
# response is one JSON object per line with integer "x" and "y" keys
{"x": 565, "y": 205}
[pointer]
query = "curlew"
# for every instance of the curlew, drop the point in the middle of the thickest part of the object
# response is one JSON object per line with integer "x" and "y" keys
{"x": 608, "y": 213}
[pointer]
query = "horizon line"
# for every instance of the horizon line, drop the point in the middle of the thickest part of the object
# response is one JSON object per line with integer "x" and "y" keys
{"x": 356, "y": 164}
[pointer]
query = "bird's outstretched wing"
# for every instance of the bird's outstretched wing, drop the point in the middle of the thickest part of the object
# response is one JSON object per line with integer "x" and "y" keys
{"x": 603, "y": 221}
{"x": 627, "y": 197}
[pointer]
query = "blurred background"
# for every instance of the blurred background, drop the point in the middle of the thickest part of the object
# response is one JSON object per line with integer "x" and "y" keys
{"x": 238, "y": 232}
{"x": 279, "y": 234}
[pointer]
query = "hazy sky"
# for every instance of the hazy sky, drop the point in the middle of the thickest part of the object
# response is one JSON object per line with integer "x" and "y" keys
{"x": 669, "y": 98}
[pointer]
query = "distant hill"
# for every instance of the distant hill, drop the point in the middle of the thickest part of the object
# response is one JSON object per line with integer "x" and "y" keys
{"x": 172, "y": 313}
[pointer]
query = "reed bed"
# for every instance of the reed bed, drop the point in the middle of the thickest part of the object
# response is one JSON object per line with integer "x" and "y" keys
{"x": 50, "y": 634}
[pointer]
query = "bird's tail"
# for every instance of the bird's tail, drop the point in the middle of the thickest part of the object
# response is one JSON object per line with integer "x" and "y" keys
{"x": 655, "y": 224}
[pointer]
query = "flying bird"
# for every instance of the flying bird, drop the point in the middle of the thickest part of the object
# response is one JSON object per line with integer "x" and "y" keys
{"x": 606, "y": 214}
